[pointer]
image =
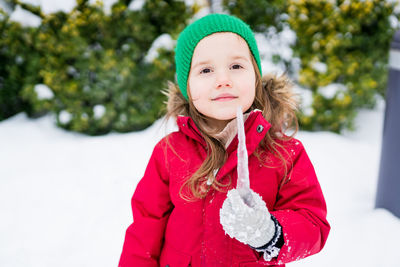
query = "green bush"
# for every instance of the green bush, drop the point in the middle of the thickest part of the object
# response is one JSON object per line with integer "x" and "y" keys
{"x": 260, "y": 14}
{"x": 343, "y": 48}
{"x": 91, "y": 68}
{"x": 265, "y": 17}
{"x": 345, "y": 43}
{"x": 19, "y": 65}
{"x": 94, "y": 67}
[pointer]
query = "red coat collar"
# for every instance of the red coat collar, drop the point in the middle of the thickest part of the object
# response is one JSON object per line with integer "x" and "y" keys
{"x": 256, "y": 126}
{"x": 187, "y": 126}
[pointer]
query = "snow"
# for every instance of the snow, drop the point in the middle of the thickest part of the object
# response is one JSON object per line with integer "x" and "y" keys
{"x": 43, "y": 91}
{"x": 4, "y": 7}
{"x": 163, "y": 41}
{"x": 64, "y": 117}
{"x": 320, "y": 67}
{"x": 52, "y": 6}
{"x": 25, "y": 17}
{"x": 394, "y": 22}
{"x": 136, "y": 5}
{"x": 331, "y": 90}
{"x": 306, "y": 99}
{"x": 99, "y": 111}
{"x": 273, "y": 43}
{"x": 65, "y": 197}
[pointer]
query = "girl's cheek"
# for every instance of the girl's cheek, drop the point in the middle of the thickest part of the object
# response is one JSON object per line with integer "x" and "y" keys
{"x": 194, "y": 96}
{"x": 193, "y": 91}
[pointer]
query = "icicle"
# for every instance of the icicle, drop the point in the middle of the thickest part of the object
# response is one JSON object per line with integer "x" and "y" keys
{"x": 243, "y": 181}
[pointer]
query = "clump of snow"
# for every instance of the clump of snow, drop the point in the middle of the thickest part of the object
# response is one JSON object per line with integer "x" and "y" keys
{"x": 51, "y": 6}
{"x": 4, "y": 7}
{"x": 136, "y": 5}
{"x": 394, "y": 22}
{"x": 64, "y": 117}
{"x": 73, "y": 71}
{"x": 287, "y": 38}
{"x": 320, "y": 67}
{"x": 125, "y": 47}
{"x": 192, "y": 2}
{"x": 19, "y": 60}
{"x": 43, "y": 91}
{"x": 306, "y": 100}
{"x": 216, "y": 6}
{"x": 271, "y": 44}
{"x": 99, "y": 111}
{"x": 24, "y": 17}
{"x": 331, "y": 90}
{"x": 163, "y": 41}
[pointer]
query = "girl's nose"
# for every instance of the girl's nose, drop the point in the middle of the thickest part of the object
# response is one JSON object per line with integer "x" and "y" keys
{"x": 223, "y": 80}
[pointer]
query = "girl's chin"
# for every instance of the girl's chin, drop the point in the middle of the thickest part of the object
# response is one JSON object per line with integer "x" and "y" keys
{"x": 225, "y": 115}
{"x": 218, "y": 124}
{"x": 224, "y": 118}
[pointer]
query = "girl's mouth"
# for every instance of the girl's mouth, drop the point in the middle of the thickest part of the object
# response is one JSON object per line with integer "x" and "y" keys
{"x": 224, "y": 97}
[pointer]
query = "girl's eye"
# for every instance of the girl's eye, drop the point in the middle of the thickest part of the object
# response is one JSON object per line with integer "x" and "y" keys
{"x": 206, "y": 70}
{"x": 236, "y": 67}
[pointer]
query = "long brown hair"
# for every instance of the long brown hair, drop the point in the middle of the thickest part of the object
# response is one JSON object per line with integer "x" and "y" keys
{"x": 278, "y": 104}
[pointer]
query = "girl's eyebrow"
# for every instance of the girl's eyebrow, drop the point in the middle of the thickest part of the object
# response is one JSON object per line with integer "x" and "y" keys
{"x": 205, "y": 62}
{"x": 240, "y": 57}
{"x": 201, "y": 63}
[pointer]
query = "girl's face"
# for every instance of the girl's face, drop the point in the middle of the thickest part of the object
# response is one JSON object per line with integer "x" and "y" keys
{"x": 221, "y": 77}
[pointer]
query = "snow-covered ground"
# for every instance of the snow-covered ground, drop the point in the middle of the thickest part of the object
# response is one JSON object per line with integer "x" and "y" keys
{"x": 65, "y": 197}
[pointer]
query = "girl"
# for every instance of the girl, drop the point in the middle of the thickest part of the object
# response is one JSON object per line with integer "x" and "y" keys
{"x": 186, "y": 210}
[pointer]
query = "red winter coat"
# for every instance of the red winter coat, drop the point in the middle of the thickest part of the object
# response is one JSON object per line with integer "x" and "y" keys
{"x": 169, "y": 231}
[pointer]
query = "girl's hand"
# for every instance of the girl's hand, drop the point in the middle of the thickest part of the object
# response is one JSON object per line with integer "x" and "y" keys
{"x": 250, "y": 225}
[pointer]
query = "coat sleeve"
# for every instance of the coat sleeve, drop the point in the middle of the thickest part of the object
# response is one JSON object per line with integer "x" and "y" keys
{"x": 151, "y": 207}
{"x": 300, "y": 209}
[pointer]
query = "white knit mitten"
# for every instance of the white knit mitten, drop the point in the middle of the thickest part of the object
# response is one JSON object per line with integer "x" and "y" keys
{"x": 250, "y": 225}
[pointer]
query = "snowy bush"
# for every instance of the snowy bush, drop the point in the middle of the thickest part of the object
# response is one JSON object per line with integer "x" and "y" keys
{"x": 267, "y": 18}
{"x": 19, "y": 65}
{"x": 105, "y": 70}
{"x": 95, "y": 67}
{"x": 343, "y": 43}
{"x": 260, "y": 14}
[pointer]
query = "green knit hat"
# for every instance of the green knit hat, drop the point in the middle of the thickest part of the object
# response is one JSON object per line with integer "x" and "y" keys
{"x": 192, "y": 34}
